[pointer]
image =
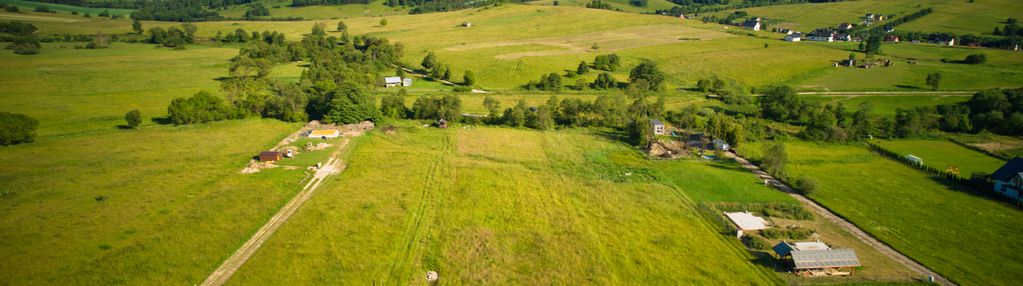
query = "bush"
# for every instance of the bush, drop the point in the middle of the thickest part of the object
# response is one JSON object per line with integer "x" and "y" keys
{"x": 756, "y": 242}
{"x": 806, "y": 185}
{"x": 975, "y": 59}
{"x": 200, "y": 108}
{"x": 793, "y": 233}
{"x": 133, "y": 118}
{"x": 16, "y": 128}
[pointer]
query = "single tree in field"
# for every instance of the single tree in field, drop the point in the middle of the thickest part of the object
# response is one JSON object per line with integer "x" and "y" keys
{"x": 468, "y": 79}
{"x": 136, "y": 26}
{"x": 852, "y": 56}
{"x": 647, "y": 71}
{"x": 134, "y": 118}
{"x": 430, "y": 61}
{"x": 934, "y": 80}
{"x": 383, "y": 22}
{"x": 580, "y": 84}
{"x": 774, "y": 159}
{"x": 341, "y": 26}
{"x": 400, "y": 72}
{"x": 873, "y": 45}
{"x": 583, "y": 68}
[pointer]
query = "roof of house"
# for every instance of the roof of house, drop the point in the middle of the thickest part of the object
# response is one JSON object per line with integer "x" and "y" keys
{"x": 747, "y": 221}
{"x": 1011, "y": 169}
{"x": 270, "y": 153}
{"x": 656, "y": 122}
{"x": 784, "y": 248}
{"x": 751, "y": 22}
{"x": 318, "y": 133}
{"x": 392, "y": 79}
{"x": 825, "y": 258}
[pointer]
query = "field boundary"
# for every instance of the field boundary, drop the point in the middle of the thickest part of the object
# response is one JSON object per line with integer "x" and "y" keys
{"x": 860, "y": 234}
{"x": 223, "y": 273}
{"x": 978, "y": 149}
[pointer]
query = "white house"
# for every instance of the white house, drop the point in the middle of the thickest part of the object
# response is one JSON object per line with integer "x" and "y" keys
{"x": 1009, "y": 180}
{"x": 392, "y": 81}
{"x": 746, "y": 221}
{"x": 822, "y": 36}
{"x": 406, "y": 81}
{"x": 752, "y": 24}
{"x": 658, "y": 127}
{"x": 795, "y": 37}
{"x": 720, "y": 144}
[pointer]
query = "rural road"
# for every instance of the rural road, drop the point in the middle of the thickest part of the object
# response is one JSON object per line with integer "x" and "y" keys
{"x": 423, "y": 77}
{"x": 233, "y": 263}
{"x": 848, "y": 226}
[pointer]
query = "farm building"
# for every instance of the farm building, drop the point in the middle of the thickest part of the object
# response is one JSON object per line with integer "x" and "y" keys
{"x": 822, "y": 35}
{"x": 332, "y": 133}
{"x": 845, "y": 26}
{"x": 442, "y": 123}
{"x": 393, "y": 81}
{"x": 891, "y": 38}
{"x": 786, "y": 31}
{"x": 658, "y": 127}
{"x": 745, "y": 221}
{"x": 270, "y": 156}
{"x": 752, "y": 24}
{"x": 817, "y": 259}
{"x": 795, "y": 37}
{"x": 1009, "y": 179}
{"x": 720, "y": 144}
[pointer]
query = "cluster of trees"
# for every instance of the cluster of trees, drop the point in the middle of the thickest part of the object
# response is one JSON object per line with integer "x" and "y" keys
{"x": 597, "y": 4}
{"x": 1011, "y": 28}
{"x": 609, "y": 62}
{"x": 638, "y": 3}
{"x": 16, "y": 128}
{"x": 173, "y": 37}
{"x": 427, "y": 6}
{"x": 300, "y": 3}
{"x": 24, "y": 41}
{"x": 182, "y": 10}
{"x": 727, "y": 20}
{"x": 728, "y": 90}
{"x": 331, "y": 89}
{"x": 255, "y": 11}
{"x": 441, "y": 71}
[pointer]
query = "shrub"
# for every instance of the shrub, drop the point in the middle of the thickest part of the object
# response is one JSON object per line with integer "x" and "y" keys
{"x": 755, "y": 242}
{"x": 200, "y": 108}
{"x": 794, "y": 233}
{"x": 133, "y": 118}
{"x": 12, "y": 9}
{"x": 16, "y": 128}
{"x": 975, "y": 59}
{"x": 806, "y": 185}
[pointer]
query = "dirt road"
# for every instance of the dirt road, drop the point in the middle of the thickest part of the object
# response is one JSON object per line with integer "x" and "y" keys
{"x": 887, "y": 93}
{"x": 848, "y": 226}
{"x": 224, "y": 272}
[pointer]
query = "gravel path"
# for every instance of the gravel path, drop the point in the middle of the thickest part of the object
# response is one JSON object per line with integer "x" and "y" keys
{"x": 224, "y": 272}
{"x": 848, "y": 226}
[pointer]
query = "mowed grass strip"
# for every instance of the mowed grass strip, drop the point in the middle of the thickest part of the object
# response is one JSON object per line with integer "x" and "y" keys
{"x": 940, "y": 154}
{"x": 160, "y": 205}
{"x": 499, "y": 206}
{"x": 916, "y": 213}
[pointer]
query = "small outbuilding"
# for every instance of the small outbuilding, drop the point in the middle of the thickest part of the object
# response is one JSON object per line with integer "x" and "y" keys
{"x": 442, "y": 123}
{"x": 392, "y": 81}
{"x": 658, "y": 127}
{"x": 324, "y": 134}
{"x": 794, "y": 37}
{"x": 746, "y": 221}
{"x": 270, "y": 156}
{"x": 720, "y": 144}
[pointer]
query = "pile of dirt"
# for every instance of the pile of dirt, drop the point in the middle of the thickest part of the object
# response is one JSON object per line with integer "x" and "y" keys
{"x": 665, "y": 150}
{"x": 256, "y": 166}
{"x": 349, "y": 130}
{"x": 309, "y": 147}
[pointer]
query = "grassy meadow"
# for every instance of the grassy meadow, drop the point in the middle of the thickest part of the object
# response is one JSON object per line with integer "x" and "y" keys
{"x": 940, "y": 154}
{"x": 281, "y": 9}
{"x": 498, "y": 206}
{"x": 916, "y": 213}
{"x": 960, "y": 17}
{"x": 25, "y": 6}
{"x": 887, "y": 104}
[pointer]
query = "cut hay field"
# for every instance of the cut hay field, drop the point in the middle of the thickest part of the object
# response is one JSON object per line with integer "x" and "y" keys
{"x": 915, "y": 213}
{"x": 940, "y": 154}
{"x": 961, "y": 17}
{"x": 499, "y": 206}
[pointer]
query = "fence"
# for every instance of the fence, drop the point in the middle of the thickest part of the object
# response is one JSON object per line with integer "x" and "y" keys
{"x": 979, "y": 184}
{"x": 978, "y": 149}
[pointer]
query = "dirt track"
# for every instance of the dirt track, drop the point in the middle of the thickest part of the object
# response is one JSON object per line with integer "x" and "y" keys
{"x": 233, "y": 263}
{"x": 887, "y": 93}
{"x": 848, "y": 226}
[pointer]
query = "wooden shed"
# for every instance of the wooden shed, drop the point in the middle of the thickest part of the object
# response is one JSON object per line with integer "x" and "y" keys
{"x": 270, "y": 156}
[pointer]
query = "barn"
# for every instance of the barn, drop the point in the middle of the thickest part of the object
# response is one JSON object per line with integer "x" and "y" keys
{"x": 270, "y": 156}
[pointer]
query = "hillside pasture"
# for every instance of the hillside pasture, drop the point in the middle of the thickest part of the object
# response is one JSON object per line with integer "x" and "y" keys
{"x": 282, "y": 9}
{"x": 887, "y": 104}
{"x": 64, "y": 9}
{"x": 916, "y": 213}
{"x": 497, "y": 205}
{"x": 940, "y": 154}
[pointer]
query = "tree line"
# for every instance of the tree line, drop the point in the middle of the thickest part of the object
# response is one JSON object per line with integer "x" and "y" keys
{"x": 24, "y": 40}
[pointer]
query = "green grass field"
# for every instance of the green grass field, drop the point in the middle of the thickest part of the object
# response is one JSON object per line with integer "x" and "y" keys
{"x": 940, "y": 154}
{"x": 495, "y": 205}
{"x": 961, "y": 17}
{"x": 915, "y": 213}
{"x": 26, "y": 6}
{"x": 280, "y": 9}
{"x": 886, "y": 105}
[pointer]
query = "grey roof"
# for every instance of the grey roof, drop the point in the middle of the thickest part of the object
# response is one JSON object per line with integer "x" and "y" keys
{"x": 783, "y": 248}
{"x": 656, "y": 122}
{"x": 812, "y": 259}
{"x": 1011, "y": 169}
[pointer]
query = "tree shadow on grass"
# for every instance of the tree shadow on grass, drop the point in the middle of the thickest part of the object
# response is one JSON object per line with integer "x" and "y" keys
{"x": 162, "y": 120}
{"x": 987, "y": 194}
{"x": 613, "y": 135}
{"x": 124, "y": 127}
{"x": 903, "y": 86}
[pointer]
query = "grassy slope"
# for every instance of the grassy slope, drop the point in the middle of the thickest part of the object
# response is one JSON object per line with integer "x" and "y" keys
{"x": 623, "y": 5}
{"x": 25, "y": 6}
{"x": 886, "y": 105}
{"x": 962, "y": 17}
{"x": 373, "y": 9}
{"x": 500, "y": 206}
{"x": 941, "y": 154}
{"x": 914, "y": 212}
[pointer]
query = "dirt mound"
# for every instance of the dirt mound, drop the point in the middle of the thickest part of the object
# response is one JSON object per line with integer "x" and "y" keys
{"x": 256, "y": 166}
{"x": 350, "y": 130}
